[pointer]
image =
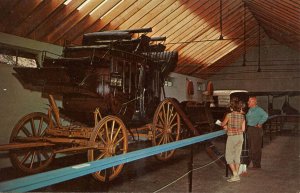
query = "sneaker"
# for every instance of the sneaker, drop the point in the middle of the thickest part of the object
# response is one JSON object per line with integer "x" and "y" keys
{"x": 233, "y": 179}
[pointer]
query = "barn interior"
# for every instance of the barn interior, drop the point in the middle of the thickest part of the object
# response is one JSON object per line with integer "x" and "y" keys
{"x": 250, "y": 45}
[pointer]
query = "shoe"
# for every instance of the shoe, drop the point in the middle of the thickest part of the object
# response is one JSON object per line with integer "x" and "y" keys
{"x": 244, "y": 174}
{"x": 234, "y": 179}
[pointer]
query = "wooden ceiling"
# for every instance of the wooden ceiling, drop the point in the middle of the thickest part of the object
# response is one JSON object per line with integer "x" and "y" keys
{"x": 209, "y": 34}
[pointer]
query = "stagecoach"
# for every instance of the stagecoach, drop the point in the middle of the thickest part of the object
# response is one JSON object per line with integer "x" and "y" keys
{"x": 111, "y": 89}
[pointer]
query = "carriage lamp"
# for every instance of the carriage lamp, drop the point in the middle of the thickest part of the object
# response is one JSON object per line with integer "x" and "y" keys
{"x": 115, "y": 80}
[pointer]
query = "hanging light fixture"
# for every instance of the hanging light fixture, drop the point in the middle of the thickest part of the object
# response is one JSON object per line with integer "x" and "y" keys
{"x": 221, "y": 27}
{"x": 258, "y": 69}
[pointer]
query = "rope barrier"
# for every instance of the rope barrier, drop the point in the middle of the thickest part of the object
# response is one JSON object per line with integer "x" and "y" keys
{"x": 195, "y": 169}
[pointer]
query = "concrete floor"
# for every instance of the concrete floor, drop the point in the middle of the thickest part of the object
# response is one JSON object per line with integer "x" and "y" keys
{"x": 280, "y": 172}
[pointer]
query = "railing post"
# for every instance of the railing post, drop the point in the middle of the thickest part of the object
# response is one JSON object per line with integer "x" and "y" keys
{"x": 106, "y": 181}
{"x": 191, "y": 162}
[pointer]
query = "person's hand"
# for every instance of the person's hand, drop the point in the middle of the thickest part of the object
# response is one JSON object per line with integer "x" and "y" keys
{"x": 259, "y": 126}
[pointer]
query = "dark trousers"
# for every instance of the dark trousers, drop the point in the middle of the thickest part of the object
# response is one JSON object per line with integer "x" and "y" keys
{"x": 255, "y": 142}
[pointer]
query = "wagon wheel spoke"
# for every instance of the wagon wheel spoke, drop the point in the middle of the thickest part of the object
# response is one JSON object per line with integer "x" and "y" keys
{"x": 161, "y": 118}
{"x": 40, "y": 127}
{"x": 159, "y": 126}
{"x": 45, "y": 155}
{"x": 158, "y": 135}
{"x": 25, "y": 158}
{"x": 171, "y": 114}
{"x": 161, "y": 139}
{"x": 112, "y": 130}
{"x": 101, "y": 138}
{"x": 25, "y": 131}
{"x": 119, "y": 140}
{"x": 101, "y": 156}
{"x": 32, "y": 159}
{"x": 116, "y": 134}
{"x": 175, "y": 124}
{"x": 106, "y": 131}
{"x": 172, "y": 119}
{"x": 164, "y": 113}
{"x": 38, "y": 156}
{"x": 171, "y": 138}
{"x": 33, "y": 127}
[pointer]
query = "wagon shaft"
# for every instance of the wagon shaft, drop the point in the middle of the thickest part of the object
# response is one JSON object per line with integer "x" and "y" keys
{"x": 15, "y": 146}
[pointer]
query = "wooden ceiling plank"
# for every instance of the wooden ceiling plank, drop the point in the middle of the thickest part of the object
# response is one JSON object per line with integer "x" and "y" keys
{"x": 289, "y": 9}
{"x": 217, "y": 49}
{"x": 211, "y": 48}
{"x": 219, "y": 54}
{"x": 285, "y": 40}
{"x": 152, "y": 14}
{"x": 100, "y": 24}
{"x": 228, "y": 59}
{"x": 50, "y": 23}
{"x": 19, "y": 13}
{"x": 71, "y": 21}
{"x": 196, "y": 21}
{"x": 250, "y": 43}
{"x": 159, "y": 28}
{"x": 225, "y": 61}
{"x": 277, "y": 11}
{"x": 205, "y": 34}
{"x": 191, "y": 50}
{"x": 37, "y": 17}
{"x": 274, "y": 15}
{"x": 295, "y": 3}
{"x": 85, "y": 23}
{"x": 211, "y": 52}
{"x": 165, "y": 14}
{"x": 140, "y": 14}
{"x": 175, "y": 19}
{"x": 288, "y": 38}
{"x": 196, "y": 29}
{"x": 7, "y": 7}
{"x": 128, "y": 14}
{"x": 281, "y": 26}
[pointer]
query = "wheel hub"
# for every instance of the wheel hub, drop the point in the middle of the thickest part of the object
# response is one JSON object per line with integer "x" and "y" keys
{"x": 111, "y": 149}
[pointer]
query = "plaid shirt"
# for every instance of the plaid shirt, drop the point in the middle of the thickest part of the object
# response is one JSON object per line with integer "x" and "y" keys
{"x": 235, "y": 122}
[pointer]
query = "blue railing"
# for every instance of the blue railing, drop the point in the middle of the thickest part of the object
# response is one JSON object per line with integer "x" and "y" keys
{"x": 40, "y": 180}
